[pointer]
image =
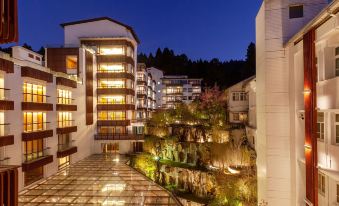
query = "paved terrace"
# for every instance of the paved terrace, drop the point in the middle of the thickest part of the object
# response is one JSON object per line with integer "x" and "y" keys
{"x": 96, "y": 180}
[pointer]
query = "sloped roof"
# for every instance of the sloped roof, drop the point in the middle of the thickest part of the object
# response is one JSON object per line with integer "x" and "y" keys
{"x": 100, "y": 19}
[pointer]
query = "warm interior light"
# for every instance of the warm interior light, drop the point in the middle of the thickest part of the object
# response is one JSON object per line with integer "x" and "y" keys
{"x": 114, "y": 202}
{"x": 111, "y": 50}
{"x": 308, "y": 146}
{"x": 113, "y": 187}
{"x": 233, "y": 171}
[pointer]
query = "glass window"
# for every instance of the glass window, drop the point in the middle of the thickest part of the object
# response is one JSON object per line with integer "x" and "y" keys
{"x": 33, "y": 175}
{"x": 64, "y": 96}
{"x": 63, "y": 162}
{"x": 321, "y": 183}
{"x": 112, "y": 115}
{"x": 337, "y": 192}
{"x": 33, "y": 149}
{"x": 320, "y": 126}
{"x": 337, "y": 61}
{"x": 111, "y": 50}
{"x": 72, "y": 62}
{"x": 34, "y": 93}
{"x": 337, "y": 128}
{"x": 114, "y": 68}
{"x": 112, "y": 99}
{"x": 110, "y": 83}
{"x": 236, "y": 117}
{"x": 65, "y": 119}
{"x": 296, "y": 11}
{"x": 34, "y": 121}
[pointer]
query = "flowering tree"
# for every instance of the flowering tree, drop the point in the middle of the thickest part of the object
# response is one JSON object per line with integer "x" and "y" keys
{"x": 213, "y": 103}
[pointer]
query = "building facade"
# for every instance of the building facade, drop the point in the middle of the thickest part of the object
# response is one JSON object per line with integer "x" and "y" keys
{"x": 297, "y": 47}
{"x": 146, "y": 102}
{"x": 179, "y": 89}
{"x": 77, "y": 100}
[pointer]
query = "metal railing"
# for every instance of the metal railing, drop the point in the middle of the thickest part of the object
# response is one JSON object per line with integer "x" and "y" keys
{"x": 113, "y": 102}
{"x": 66, "y": 123}
{"x": 62, "y": 147}
{"x": 36, "y": 126}
{"x": 36, "y": 98}
{"x": 36, "y": 155}
{"x": 5, "y": 129}
{"x": 64, "y": 100}
{"x": 118, "y": 136}
{"x": 4, "y": 94}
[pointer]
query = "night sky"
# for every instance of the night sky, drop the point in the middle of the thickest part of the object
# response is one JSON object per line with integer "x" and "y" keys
{"x": 199, "y": 28}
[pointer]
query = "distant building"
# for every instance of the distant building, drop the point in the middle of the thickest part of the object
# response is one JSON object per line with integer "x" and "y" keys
{"x": 157, "y": 76}
{"x": 242, "y": 106}
{"x": 179, "y": 89}
{"x": 146, "y": 103}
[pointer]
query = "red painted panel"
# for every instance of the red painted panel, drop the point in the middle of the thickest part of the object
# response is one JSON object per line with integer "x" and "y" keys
{"x": 310, "y": 97}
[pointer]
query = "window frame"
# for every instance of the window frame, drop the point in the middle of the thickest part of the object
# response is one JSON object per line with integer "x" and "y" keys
{"x": 322, "y": 129}
{"x": 321, "y": 184}
{"x": 293, "y": 12}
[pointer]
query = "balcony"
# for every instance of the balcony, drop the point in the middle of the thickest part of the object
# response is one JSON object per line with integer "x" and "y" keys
{"x": 5, "y": 137}
{"x": 124, "y": 91}
{"x": 4, "y": 161}
{"x": 66, "y": 82}
{"x": 5, "y": 102}
{"x": 114, "y": 106}
{"x": 115, "y": 59}
{"x": 141, "y": 95}
{"x": 114, "y": 75}
{"x": 66, "y": 127}
{"x": 66, "y": 104}
{"x": 113, "y": 122}
{"x": 28, "y": 71}
{"x": 6, "y": 65}
{"x": 66, "y": 149}
{"x": 36, "y": 159}
{"x": 36, "y": 102}
{"x": 108, "y": 136}
{"x": 36, "y": 131}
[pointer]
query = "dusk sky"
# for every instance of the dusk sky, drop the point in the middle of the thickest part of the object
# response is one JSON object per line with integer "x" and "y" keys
{"x": 199, "y": 28}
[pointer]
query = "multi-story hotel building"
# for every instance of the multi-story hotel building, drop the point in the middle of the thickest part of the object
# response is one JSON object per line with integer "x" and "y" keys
{"x": 297, "y": 102}
{"x": 79, "y": 100}
{"x": 146, "y": 102}
{"x": 178, "y": 89}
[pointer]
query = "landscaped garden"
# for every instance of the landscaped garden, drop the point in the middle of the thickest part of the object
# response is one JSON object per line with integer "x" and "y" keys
{"x": 197, "y": 154}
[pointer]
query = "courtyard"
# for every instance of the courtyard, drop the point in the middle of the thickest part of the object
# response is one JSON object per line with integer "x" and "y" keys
{"x": 97, "y": 180}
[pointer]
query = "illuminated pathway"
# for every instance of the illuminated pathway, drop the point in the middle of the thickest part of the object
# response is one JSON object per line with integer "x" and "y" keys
{"x": 97, "y": 180}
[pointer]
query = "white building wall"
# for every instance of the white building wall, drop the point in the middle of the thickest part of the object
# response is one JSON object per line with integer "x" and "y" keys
{"x": 276, "y": 140}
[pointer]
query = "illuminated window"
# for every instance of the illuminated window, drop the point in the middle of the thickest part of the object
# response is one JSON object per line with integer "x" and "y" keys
{"x": 34, "y": 93}
{"x": 34, "y": 121}
{"x": 111, "y": 130}
{"x": 321, "y": 183}
{"x": 112, "y": 84}
{"x": 65, "y": 119}
{"x": 63, "y": 162}
{"x": 320, "y": 126}
{"x": 33, "y": 149}
{"x": 112, "y": 100}
{"x": 111, "y": 50}
{"x": 71, "y": 62}
{"x": 236, "y": 117}
{"x": 111, "y": 115}
{"x": 111, "y": 68}
{"x": 64, "y": 96}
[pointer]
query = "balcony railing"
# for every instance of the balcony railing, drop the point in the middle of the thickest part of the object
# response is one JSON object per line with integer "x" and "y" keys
{"x": 4, "y": 160}
{"x": 36, "y": 98}
{"x": 36, "y": 126}
{"x": 66, "y": 123}
{"x": 36, "y": 155}
{"x": 113, "y": 102}
{"x": 118, "y": 136}
{"x": 5, "y": 129}
{"x": 114, "y": 86}
{"x": 63, "y": 100}
{"x": 62, "y": 147}
{"x": 5, "y": 94}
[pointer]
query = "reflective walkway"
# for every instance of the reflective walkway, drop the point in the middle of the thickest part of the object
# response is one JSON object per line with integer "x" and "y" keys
{"x": 97, "y": 180}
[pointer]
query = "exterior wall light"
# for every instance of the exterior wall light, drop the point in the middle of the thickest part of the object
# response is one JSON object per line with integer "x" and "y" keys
{"x": 308, "y": 147}
{"x": 307, "y": 91}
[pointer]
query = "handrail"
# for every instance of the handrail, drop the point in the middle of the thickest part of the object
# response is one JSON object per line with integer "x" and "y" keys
{"x": 36, "y": 155}
{"x": 31, "y": 125}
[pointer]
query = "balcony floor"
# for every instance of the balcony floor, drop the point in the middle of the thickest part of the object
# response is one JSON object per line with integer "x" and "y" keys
{"x": 96, "y": 180}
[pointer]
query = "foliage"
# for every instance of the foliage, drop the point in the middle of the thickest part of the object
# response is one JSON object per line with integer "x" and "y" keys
{"x": 224, "y": 73}
{"x": 145, "y": 163}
